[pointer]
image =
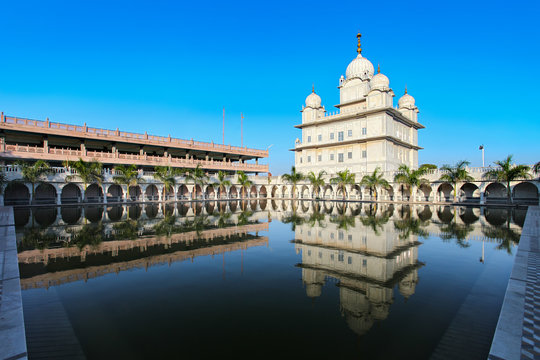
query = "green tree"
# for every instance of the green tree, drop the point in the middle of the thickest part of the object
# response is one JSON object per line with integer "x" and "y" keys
{"x": 88, "y": 172}
{"x": 456, "y": 174}
{"x": 222, "y": 181}
{"x": 411, "y": 178}
{"x": 317, "y": 181}
{"x": 507, "y": 172}
{"x": 127, "y": 175}
{"x": 197, "y": 176}
{"x": 33, "y": 173}
{"x": 166, "y": 175}
{"x": 244, "y": 182}
{"x": 373, "y": 181}
{"x": 343, "y": 179}
{"x": 294, "y": 178}
{"x": 536, "y": 168}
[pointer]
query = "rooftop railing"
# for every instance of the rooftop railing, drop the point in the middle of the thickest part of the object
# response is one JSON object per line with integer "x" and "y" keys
{"x": 116, "y": 135}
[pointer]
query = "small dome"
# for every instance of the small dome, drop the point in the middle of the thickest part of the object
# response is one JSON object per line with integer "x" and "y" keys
{"x": 380, "y": 82}
{"x": 360, "y": 68}
{"x": 406, "y": 101}
{"x": 313, "y": 100}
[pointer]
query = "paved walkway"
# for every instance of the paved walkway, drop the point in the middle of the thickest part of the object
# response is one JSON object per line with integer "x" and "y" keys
{"x": 12, "y": 334}
{"x": 518, "y": 331}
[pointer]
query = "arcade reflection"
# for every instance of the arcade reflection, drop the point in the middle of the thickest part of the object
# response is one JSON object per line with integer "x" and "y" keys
{"x": 367, "y": 250}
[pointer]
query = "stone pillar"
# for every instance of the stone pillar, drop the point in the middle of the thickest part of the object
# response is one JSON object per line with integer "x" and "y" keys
{"x": 126, "y": 193}
{"x": 482, "y": 198}
{"x": 59, "y": 197}
{"x": 45, "y": 145}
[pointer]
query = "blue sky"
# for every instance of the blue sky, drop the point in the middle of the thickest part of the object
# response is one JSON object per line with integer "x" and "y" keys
{"x": 171, "y": 67}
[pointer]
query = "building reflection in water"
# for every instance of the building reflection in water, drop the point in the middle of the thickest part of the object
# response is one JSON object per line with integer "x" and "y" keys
{"x": 63, "y": 244}
{"x": 368, "y": 250}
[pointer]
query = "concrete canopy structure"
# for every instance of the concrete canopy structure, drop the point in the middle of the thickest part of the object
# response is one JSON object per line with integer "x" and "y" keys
{"x": 367, "y": 131}
{"x": 55, "y": 142}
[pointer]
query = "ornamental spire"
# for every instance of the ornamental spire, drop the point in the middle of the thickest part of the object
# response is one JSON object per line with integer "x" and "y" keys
{"x": 405, "y": 88}
{"x": 359, "y": 49}
{"x": 378, "y": 68}
{"x": 313, "y": 88}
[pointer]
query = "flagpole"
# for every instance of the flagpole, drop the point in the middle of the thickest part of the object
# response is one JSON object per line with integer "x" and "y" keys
{"x": 241, "y": 129}
{"x": 223, "y": 125}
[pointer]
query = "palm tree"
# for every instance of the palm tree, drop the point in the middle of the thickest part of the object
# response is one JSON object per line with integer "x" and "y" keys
{"x": 87, "y": 172}
{"x": 455, "y": 174}
{"x": 244, "y": 182}
{"x": 373, "y": 181}
{"x": 127, "y": 175}
{"x": 317, "y": 181}
{"x": 343, "y": 179}
{"x": 222, "y": 182}
{"x": 507, "y": 172}
{"x": 166, "y": 175}
{"x": 536, "y": 168}
{"x": 33, "y": 173}
{"x": 294, "y": 178}
{"x": 197, "y": 175}
{"x": 411, "y": 178}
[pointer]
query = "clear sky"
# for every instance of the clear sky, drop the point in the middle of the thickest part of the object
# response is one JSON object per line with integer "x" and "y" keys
{"x": 171, "y": 67}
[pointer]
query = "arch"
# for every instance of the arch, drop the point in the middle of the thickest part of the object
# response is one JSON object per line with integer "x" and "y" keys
{"x": 93, "y": 193}
{"x": 168, "y": 193}
{"x": 263, "y": 203}
{"x": 168, "y": 209}
{"x": 526, "y": 193}
{"x": 304, "y": 192}
{"x": 470, "y": 192}
{"x": 134, "y": 212}
{"x": 253, "y": 191}
{"x": 44, "y": 216}
{"x": 262, "y": 192}
{"x": 71, "y": 193}
{"x": 197, "y": 208}
{"x": 468, "y": 216}
{"x": 445, "y": 215}
{"x": 134, "y": 192}
{"x": 210, "y": 206}
{"x": 233, "y": 192}
{"x": 388, "y": 192}
{"x": 519, "y": 216}
{"x": 274, "y": 205}
{"x": 115, "y": 213}
{"x": 424, "y": 191}
{"x": 445, "y": 191}
{"x": 253, "y": 205}
{"x": 93, "y": 213}
{"x": 221, "y": 192}
{"x": 425, "y": 213}
{"x": 16, "y": 193}
{"x": 496, "y": 216}
{"x": 284, "y": 191}
{"x": 183, "y": 192}
{"x": 70, "y": 215}
{"x": 356, "y": 192}
{"x": 183, "y": 209}
{"x": 327, "y": 192}
{"x": 404, "y": 191}
{"x": 210, "y": 192}
{"x": 233, "y": 205}
{"x": 151, "y": 210}
{"x": 151, "y": 193}
{"x": 274, "y": 191}
{"x": 45, "y": 194}
{"x": 495, "y": 193}
{"x": 115, "y": 193}
{"x": 197, "y": 192}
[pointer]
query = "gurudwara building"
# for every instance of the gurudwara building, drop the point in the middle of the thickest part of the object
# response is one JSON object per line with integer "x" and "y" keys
{"x": 367, "y": 131}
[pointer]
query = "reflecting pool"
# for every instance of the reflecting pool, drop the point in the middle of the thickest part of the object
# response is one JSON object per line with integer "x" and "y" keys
{"x": 264, "y": 279}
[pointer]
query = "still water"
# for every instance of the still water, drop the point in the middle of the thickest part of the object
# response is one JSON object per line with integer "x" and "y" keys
{"x": 264, "y": 279}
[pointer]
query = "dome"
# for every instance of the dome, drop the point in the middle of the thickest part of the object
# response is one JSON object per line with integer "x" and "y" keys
{"x": 313, "y": 100}
{"x": 360, "y": 68}
{"x": 406, "y": 101}
{"x": 380, "y": 82}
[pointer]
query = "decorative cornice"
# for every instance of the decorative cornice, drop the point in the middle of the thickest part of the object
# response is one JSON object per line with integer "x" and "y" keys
{"x": 359, "y": 141}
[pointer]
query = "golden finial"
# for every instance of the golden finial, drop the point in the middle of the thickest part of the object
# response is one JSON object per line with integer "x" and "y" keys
{"x": 378, "y": 68}
{"x": 405, "y": 88}
{"x": 359, "y": 50}
{"x": 313, "y": 88}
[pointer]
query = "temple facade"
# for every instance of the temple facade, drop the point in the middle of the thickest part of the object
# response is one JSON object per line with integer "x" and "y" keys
{"x": 366, "y": 132}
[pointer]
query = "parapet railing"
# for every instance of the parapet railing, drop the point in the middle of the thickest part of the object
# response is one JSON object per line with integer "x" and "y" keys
{"x": 47, "y": 126}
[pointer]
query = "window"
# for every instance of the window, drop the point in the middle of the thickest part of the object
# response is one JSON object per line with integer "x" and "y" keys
{"x": 341, "y": 235}
{"x": 331, "y": 235}
{"x": 364, "y": 131}
{"x": 319, "y": 137}
{"x": 331, "y": 157}
{"x": 349, "y": 133}
{"x": 349, "y": 260}
{"x": 349, "y": 155}
{"x": 331, "y": 136}
{"x": 340, "y": 157}
{"x": 309, "y": 232}
{"x": 364, "y": 262}
{"x": 364, "y": 153}
{"x": 349, "y": 237}
{"x": 320, "y": 234}
{"x": 340, "y": 136}
{"x": 341, "y": 257}
{"x": 309, "y": 159}
{"x": 309, "y": 139}
{"x": 300, "y": 160}
{"x": 309, "y": 253}
{"x": 364, "y": 239}
{"x": 332, "y": 256}
{"x": 319, "y": 158}
{"x": 320, "y": 255}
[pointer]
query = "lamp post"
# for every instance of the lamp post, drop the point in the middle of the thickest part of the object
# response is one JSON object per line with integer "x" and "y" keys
{"x": 268, "y": 148}
{"x": 482, "y": 148}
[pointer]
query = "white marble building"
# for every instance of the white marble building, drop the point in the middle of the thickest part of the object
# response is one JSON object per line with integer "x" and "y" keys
{"x": 366, "y": 132}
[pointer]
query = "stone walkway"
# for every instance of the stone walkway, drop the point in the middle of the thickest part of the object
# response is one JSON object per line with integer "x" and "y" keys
{"x": 518, "y": 331}
{"x": 12, "y": 334}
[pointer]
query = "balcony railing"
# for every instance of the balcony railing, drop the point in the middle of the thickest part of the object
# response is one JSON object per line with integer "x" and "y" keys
{"x": 117, "y": 135}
